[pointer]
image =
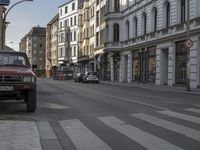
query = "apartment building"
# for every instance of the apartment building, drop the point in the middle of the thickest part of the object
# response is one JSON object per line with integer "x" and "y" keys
{"x": 86, "y": 38}
{"x": 51, "y": 45}
{"x": 68, "y": 35}
{"x": 34, "y": 44}
{"x": 91, "y": 38}
{"x": 146, "y": 41}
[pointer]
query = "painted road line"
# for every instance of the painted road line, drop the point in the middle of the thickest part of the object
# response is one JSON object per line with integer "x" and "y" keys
{"x": 145, "y": 139}
{"x": 81, "y": 136}
{"x": 181, "y": 116}
{"x": 195, "y": 110}
{"x": 19, "y": 135}
{"x": 46, "y": 131}
{"x": 189, "y": 132}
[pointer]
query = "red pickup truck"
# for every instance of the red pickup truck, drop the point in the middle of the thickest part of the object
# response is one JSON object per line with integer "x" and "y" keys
{"x": 17, "y": 80}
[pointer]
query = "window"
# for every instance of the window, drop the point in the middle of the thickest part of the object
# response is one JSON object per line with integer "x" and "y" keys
{"x": 167, "y": 14}
{"x": 183, "y": 10}
{"x": 127, "y": 30}
{"x": 97, "y": 39}
{"x": 71, "y": 20}
{"x": 74, "y": 35}
{"x": 144, "y": 23}
{"x": 60, "y": 12}
{"x": 97, "y": 18}
{"x": 116, "y": 32}
{"x": 135, "y": 28}
{"x": 66, "y": 9}
{"x": 73, "y": 6}
{"x": 154, "y": 19}
{"x": 116, "y": 6}
{"x": 74, "y": 50}
{"x": 40, "y": 45}
{"x": 74, "y": 20}
{"x": 61, "y": 24}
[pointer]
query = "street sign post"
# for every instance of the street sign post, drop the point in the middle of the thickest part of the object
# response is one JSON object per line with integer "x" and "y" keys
{"x": 4, "y": 2}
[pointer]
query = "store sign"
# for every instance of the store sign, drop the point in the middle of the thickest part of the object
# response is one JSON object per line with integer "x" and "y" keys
{"x": 4, "y": 2}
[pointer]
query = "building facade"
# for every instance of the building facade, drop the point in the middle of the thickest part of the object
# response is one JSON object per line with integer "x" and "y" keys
{"x": 51, "y": 45}
{"x": 1, "y": 26}
{"x": 91, "y": 38}
{"x": 34, "y": 44}
{"x": 68, "y": 35}
{"x": 146, "y": 41}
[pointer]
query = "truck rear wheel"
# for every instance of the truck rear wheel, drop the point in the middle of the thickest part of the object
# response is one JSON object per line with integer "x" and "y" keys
{"x": 31, "y": 101}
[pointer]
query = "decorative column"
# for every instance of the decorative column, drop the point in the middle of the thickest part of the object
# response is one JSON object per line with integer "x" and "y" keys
{"x": 171, "y": 65}
{"x": 158, "y": 64}
{"x": 112, "y": 68}
{"x": 130, "y": 67}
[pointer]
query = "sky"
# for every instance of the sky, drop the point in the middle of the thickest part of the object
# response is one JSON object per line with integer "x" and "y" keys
{"x": 26, "y": 15}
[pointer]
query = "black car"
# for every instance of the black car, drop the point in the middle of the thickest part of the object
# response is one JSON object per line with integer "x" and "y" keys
{"x": 78, "y": 77}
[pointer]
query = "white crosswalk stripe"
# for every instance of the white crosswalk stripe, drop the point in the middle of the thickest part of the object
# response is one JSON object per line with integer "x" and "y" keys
{"x": 145, "y": 139}
{"x": 189, "y": 132}
{"x": 195, "y": 110}
{"x": 81, "y": 136}
{"x": 181, "y": 116}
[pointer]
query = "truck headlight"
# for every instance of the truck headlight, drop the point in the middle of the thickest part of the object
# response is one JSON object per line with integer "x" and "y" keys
{"x": 29, "y": 79}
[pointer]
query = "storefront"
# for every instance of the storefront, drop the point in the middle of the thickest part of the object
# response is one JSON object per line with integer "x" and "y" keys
{"x": 181, "y": 62}
{"x": 144, "y": 64}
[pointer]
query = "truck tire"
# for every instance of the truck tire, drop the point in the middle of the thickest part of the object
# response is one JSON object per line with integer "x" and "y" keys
{"x": 31, "y": 101}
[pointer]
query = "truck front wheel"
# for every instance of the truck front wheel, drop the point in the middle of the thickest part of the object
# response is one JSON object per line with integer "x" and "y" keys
{"x": 31, "y": 101}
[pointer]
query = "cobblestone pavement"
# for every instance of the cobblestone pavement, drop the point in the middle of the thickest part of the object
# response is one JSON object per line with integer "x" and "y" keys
{"x": 19, "y": 135}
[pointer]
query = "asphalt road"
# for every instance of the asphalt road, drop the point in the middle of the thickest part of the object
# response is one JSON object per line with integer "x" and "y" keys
{"x": 77, "y": 116}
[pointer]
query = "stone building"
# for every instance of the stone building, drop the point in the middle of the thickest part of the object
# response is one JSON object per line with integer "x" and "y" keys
{"x": 33, "y": 44}
{"x": 51, "y": 45}
{"x": 146, "y": 41}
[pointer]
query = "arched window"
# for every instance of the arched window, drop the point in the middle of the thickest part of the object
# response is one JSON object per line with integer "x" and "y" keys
{"x": 154, "y": 19}
{"x": 116, "y": 32}
{"x": 183, "y": 11}
{"x": 127, "y": 30}
{"x": 135, "y": 27}
{"x": 144, "y": 23}
{"x": 116, "y": 6}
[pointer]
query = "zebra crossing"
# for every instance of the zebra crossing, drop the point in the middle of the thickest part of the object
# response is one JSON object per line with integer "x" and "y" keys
{"x": 84, "y": 138}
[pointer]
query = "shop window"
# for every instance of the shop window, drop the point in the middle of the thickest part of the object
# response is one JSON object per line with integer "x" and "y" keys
{"x": 181, "y": 57}
{"x": 136, "y": 65}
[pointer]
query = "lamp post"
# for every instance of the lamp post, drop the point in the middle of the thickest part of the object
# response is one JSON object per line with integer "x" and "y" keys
{"x": 4, "y": 23}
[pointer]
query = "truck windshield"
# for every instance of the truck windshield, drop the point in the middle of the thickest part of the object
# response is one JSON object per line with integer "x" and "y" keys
{"x": 7, "y": 59}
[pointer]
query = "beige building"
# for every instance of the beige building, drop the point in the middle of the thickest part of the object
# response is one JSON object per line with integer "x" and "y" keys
{"x": 91, "y": 38}
{"x": 51, "y": 45}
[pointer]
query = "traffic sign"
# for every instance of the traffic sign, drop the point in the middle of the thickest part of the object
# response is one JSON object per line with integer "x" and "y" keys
{"x": 188, "y": 43}
{"x": 4, "y": 2}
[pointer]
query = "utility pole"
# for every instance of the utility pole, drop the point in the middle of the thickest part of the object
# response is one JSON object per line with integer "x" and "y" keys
{"x": 4, "y": 23}
{"x": 188, "y": 47}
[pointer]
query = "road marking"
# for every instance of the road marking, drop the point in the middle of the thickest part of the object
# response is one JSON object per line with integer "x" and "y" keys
{"x": 19, "y": 135}
{"x": 54, "y": 106}
{"x": 145, "y": 139}
{"x": 193, "y": 110}
{"x": 46, "y": 131}
{"x": 81, "y": 136}
{"x": 181, "y": 116}
{"x": 124, "y": 99}
{"x": 189, "y": 132}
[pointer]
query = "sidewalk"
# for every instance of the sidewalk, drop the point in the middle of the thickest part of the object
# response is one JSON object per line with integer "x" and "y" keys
{"x": 177, "y": 89}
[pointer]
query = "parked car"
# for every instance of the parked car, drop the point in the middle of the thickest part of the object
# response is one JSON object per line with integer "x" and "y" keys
{"x": 17, "y": 80}
{"x": 78, "y": 77}
{"x": 90, "y": 77}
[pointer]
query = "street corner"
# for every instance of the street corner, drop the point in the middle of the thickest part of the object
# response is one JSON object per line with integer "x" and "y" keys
{"x": 19, "y": 135}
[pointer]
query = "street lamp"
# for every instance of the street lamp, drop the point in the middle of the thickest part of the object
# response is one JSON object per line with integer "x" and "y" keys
{"x": 4, "y": 23}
